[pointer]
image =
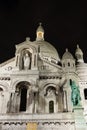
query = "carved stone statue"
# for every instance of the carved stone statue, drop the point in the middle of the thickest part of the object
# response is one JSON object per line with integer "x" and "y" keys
{"x": 75, "y": 94}
{"x": 26, "y": 61}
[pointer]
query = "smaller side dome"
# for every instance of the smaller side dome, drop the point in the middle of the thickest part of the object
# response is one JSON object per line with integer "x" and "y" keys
{"x": 67, "y": 55}
{"x": 40, "y": 33}
{"x": 79, "y": 54}
{"x": 68, "y": 62}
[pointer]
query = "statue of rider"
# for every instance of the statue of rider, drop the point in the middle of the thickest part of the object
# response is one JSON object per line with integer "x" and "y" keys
{"x": 75, "y": 94}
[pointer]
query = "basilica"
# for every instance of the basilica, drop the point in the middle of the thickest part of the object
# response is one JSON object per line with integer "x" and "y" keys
{"x": 41, "y": 91}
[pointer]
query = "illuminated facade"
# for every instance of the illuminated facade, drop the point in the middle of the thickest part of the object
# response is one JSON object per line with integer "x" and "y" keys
{"x": 36, "y": 86}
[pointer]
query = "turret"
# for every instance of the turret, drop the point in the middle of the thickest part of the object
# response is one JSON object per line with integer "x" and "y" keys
{"x": 68, "y": 61}
{"x": 40, "y": 33}
{"x": 79, "y": 55}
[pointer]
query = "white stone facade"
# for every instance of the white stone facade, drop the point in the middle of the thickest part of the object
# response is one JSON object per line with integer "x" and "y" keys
{"x": 36, "y": 86}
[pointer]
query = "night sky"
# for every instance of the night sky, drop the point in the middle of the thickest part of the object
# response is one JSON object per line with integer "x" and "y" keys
{"x": 63, "y": 22}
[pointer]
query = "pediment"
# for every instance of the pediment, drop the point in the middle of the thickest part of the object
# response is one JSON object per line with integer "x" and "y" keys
{"x": 7, "y": 66}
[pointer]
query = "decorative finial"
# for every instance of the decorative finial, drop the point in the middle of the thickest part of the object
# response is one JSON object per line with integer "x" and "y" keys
{"x": 66, "y": 49}
{"x": 77, "y": 45}
{"x": 27, "y": 39}
{"x": 40, "y": 24}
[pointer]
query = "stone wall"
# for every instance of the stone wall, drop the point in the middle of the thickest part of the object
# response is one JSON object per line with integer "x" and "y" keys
{"x": 41, "y": 126}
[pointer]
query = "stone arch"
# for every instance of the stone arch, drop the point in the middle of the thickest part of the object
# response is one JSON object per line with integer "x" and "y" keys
{"x": 31, "y": 82}
{"x": 49, "y": 89}
{"x": 51, "y": 94}
{"x": 20, "y": 57}
{"x": 46, "y": 86}
{"x": 31, "y": 48}
{"x": 18, "y": 98}
{"x": 19, "y": 84}
{"x": 1, "y": 89}
{"x": 22, "y": 89}
{"x": 4, "y": 86}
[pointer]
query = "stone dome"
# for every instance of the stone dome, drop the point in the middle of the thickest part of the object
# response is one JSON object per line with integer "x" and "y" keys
{"x": 67, "y": 55}
{"x": 47, "y": 50}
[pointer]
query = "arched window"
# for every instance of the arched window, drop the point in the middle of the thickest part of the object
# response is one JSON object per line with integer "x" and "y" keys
{"x": 51, "y": 106}
{"x": 1, "y": 89}
{"x": 68, "y": 64}
{"x": 19, "y": 98}
{"x": 85, "y": 93}
{"x": 23, "y": 99}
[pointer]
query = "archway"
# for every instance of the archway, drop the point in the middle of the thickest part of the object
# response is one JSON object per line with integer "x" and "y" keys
{"x": 21, "y": 90}
{"x": 23, "y": 99}
{"x": 51, "y": 99}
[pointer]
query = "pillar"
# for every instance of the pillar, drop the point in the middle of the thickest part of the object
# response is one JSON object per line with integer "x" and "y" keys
{"x": 80, "y": 123}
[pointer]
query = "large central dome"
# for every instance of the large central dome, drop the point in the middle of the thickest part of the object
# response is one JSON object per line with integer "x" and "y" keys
{"x": 46, "y": 49}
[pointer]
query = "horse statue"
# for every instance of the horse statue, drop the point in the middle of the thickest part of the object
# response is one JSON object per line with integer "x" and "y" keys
{"x": 75, "y": 94}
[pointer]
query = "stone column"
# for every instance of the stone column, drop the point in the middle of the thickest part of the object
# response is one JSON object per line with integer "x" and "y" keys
{"x": 65, "y": 101}
{"x": 69, "y": 101}
{"x": 34, "y": 61}
{"x": 12, "y": 107}
{"x": 4, "y": 98}
{"x": 30, "y": 101}
{"x": 27, "y": 108}
{"x": 35, "y": 98}
{"x": 13, "y": 104}
{"x": 17, "y": 101}
{"x": 36, "y": 102}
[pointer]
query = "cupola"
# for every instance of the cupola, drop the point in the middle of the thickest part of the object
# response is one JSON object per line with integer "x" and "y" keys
{"x": 68, "y": 61}
{"x": 40, "y": 33}
{"x": 79, "y": 54}
{"x": 67, "y": 55}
